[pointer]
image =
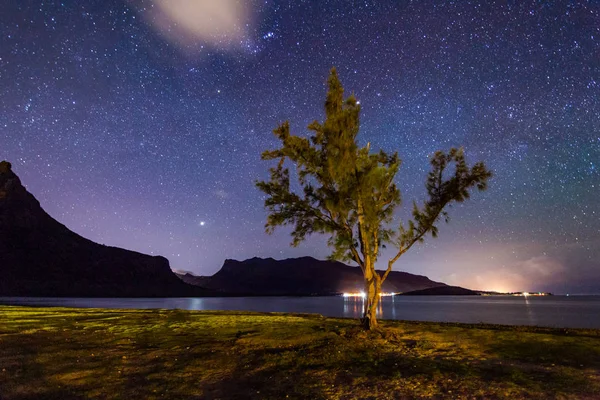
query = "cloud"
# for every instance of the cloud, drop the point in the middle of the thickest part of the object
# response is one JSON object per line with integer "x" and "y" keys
{"x": 542, "y": 267}
{"x": 568, "y": 268}
{"x": 192, "y": 25}
{"x": 536, "y": 273}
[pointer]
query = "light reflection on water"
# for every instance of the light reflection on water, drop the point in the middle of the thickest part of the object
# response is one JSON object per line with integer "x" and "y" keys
{"x": 558, "y": 311}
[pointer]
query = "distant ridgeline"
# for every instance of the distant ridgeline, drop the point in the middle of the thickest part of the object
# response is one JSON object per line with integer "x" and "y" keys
{"x": 41, "y": 257}
{"x": 299, "y": 276}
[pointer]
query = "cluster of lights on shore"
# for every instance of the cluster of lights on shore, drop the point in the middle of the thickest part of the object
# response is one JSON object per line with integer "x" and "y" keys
{"x": 531, "y": 294}
{"x": 363, "y": 294}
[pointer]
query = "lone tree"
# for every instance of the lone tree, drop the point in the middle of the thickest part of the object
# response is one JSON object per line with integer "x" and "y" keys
{"x": 349, "y": 193}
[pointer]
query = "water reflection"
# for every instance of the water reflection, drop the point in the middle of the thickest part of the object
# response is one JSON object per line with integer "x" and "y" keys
{"x": 354, "y": 306}
{"x": 530, "y": 312}
{"x": 560, "y": 311}
{"x": 196, "y": 304}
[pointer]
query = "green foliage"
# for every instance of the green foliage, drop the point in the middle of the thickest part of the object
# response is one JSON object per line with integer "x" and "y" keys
{"x": 441, "y": 193}
{"x": 349, "y": 193}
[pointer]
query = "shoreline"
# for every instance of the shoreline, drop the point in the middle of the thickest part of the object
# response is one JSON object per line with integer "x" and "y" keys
{"x": 591, "y": 332}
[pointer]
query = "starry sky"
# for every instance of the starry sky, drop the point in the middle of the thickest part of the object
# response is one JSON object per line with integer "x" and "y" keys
{"x": 140, "y": 124}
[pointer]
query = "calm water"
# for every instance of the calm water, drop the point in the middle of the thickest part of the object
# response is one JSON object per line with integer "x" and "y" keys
{"x": 555, "y": 311}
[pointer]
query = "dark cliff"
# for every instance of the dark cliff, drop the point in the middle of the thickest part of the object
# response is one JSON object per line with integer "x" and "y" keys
{"x": 41, "y": 257}
{"x": 299, "y": 276}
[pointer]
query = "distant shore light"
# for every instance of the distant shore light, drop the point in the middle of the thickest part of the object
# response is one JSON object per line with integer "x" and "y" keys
{"x": 363, "y": 295}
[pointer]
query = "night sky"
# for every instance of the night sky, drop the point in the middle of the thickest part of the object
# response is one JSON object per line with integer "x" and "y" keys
{"x": 140, "y": 124}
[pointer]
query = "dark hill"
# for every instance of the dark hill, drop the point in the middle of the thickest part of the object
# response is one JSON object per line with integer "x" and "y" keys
{"x": 299, "y": 276}
{"x": 41, "y": 257}
{"x": 443, "y": 291}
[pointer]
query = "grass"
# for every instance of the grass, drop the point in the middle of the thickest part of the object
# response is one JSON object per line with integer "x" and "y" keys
{"x": 65, "y": 353}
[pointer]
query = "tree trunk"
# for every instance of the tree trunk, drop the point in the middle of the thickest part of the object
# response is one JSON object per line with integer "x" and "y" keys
{"x": 372, "y": 291}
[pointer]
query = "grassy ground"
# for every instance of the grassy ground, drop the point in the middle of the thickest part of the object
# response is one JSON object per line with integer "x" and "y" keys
{"x": 62, "y": 353}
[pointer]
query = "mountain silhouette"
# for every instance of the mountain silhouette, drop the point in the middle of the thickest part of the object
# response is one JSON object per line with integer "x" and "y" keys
{"x": 299, "y": 276}
{"x": 41, "y": 257}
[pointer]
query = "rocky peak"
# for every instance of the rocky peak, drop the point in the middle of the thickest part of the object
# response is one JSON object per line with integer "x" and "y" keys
{"x": 9, "y": 182}
{"x": 5, "y": 167}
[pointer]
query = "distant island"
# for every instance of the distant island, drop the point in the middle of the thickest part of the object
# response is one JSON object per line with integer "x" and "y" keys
{"x": 492, "y": 293}
{"x": 442, "y": 291}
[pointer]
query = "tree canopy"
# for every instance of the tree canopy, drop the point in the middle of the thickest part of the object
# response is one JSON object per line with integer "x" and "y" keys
{"x": 349, "y": 192}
